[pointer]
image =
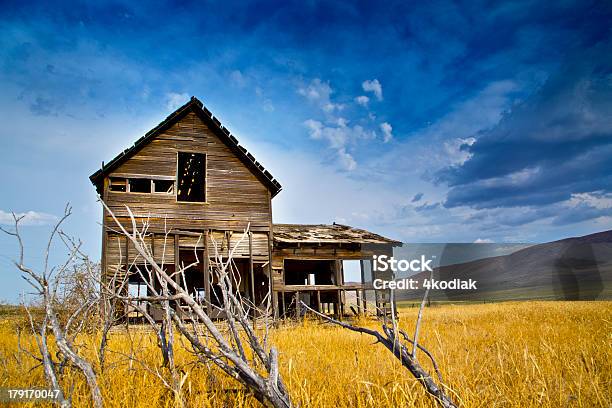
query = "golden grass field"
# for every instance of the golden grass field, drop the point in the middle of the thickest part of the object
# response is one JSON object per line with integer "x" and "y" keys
{"x": 515, "y": 354}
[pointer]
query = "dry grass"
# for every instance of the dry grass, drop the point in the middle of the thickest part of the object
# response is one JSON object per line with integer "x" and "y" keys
{"x": 545, "y": 354}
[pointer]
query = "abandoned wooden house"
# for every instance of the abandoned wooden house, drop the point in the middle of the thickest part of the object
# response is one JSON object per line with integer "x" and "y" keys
{"x": 193, "y": 183}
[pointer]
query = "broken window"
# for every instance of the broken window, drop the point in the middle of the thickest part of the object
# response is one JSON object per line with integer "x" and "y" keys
{"x": 309, "y": 272}
{"x": 351, "y": 270}
{"x": 140, "y": 185}
{"x": 117, "y": 184}
{"x": 191, "y": 177}
{"x": 163, "y": 186}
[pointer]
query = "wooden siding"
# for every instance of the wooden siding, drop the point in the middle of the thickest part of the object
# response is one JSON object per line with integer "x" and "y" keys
{"x": 120, "y": 251}
{"x": 116, "y": 253}
{"x": 319, "y": 252}
{"x": 163, "y": 249}
{"x": 235, "y": 196}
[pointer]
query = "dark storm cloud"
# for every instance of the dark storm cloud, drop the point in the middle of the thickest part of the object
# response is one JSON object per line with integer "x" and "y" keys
{"x": 556, "y": 143}
{"x": 416, "y": 197}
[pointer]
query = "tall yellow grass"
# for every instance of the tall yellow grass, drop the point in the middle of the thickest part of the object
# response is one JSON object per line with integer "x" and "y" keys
{"x": 523, "y": 354}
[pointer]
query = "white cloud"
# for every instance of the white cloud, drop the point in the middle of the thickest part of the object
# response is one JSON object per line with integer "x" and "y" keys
{"x": 386, "y": 129}
{"x": 174, "y": 100}
{"x": 454, "y": 151}
{"x": 237, "y": 78}
{"x": 268, "y": 106}
{"x": 483, "y": 241}
{"x": 338, "y": 136}
{"x": 346, "y": 160}
{"x": 315, "y": 127}
{"x": 319, "y": 92}
{"x": 335, "y": 136}
{"x": 362, "y": 100}
{"x": 373, "y": 86}
{"x": 29, "y": 218}
{"x": 342, "y": 122}
{"x": 595, "y": 199}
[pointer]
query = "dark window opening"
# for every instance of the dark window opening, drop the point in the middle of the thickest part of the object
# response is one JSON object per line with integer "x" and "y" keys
{"x": 137, "y": 287}
{"x": 191, "y": 177}
{"x": 163, "y": 186}
{"x": 309, "y": 272}
{"x": 140, "y": 185}
{"x": 117, "y": 184}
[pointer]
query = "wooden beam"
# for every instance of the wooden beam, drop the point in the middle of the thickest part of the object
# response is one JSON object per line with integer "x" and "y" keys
{"x": 319, "y": 301}
{"x": 321, "y": 287}
{"x": 251, "y": 272}
{"x": 283, "y": 303}
{"x": 177, "y": 259}
{"x": 365, "y": 302}
{"x": 338, "y": 307}
{"x": 207, "y": 271}
{"x": 270, "y": 271}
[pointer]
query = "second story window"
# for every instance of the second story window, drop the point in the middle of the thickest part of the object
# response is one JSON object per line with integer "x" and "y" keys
{"x": 191, "y": 177}
{"x": 139, "y": 185}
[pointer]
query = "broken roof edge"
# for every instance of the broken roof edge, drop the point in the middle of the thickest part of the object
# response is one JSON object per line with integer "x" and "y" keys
{"x": 195, "y": 105}
{"x": 303, "y": 233}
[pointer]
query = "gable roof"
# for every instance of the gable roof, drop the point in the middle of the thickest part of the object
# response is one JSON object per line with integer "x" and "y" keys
{"x": 194, "y": 105}
{"x": 327, "y": 234}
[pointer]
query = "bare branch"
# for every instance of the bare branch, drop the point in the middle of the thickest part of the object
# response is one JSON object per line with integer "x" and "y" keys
{"x": 390, "y": 340}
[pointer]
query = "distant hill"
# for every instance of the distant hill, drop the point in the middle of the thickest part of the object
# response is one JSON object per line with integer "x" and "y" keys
{"x": 577, "y": 268}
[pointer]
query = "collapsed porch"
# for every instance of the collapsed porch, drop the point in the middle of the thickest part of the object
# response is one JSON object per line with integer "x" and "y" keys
{"x": 310, "y": 263}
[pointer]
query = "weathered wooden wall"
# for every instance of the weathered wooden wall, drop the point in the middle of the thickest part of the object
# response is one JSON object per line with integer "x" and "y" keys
{"x": 234, "y": 195}
{"x": 320, "y": 252}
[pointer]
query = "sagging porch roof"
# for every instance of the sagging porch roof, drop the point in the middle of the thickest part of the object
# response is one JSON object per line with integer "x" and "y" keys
{"x": 327, "y": 234}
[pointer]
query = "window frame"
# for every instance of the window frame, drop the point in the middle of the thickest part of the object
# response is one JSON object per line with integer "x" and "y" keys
{"x": 176, "y": 181}
{"x": 129, "y": 189}
{"x": 161, "y": 192}
{"x": 111, "y": 184}
{"x": 126, "y": 178}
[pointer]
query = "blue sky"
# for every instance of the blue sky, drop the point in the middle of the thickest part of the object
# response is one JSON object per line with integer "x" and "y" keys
{"x": 437, "y": 122}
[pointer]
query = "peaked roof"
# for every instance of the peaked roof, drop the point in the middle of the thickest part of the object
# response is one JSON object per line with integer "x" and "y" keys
{"x": 330, "y": 234}
{"x": 194, "y": 105}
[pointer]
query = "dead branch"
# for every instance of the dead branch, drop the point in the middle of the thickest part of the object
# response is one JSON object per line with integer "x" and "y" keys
{"x": 390, "y": 339}
{"x": 230, "y": 351}
{"x": 46, "y": 283}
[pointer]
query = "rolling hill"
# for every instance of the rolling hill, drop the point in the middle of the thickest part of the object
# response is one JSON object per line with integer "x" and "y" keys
{"x": 578, "y": 268}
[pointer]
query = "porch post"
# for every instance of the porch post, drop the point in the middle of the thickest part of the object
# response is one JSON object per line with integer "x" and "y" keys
{"x": 251, "y": 273}
{"x": 177, "y": 278}
{"x": 363, "y": 291}
{"x": 282, "y": 293}
{"x": 207, "y": 273}
{"x": 339, "y": 306}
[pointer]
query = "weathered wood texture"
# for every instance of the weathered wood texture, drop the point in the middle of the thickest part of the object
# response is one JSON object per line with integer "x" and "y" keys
{"x": 120, "y": 252}
{"x": 320, "y": 252}
{"x": 235, "y": 196}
